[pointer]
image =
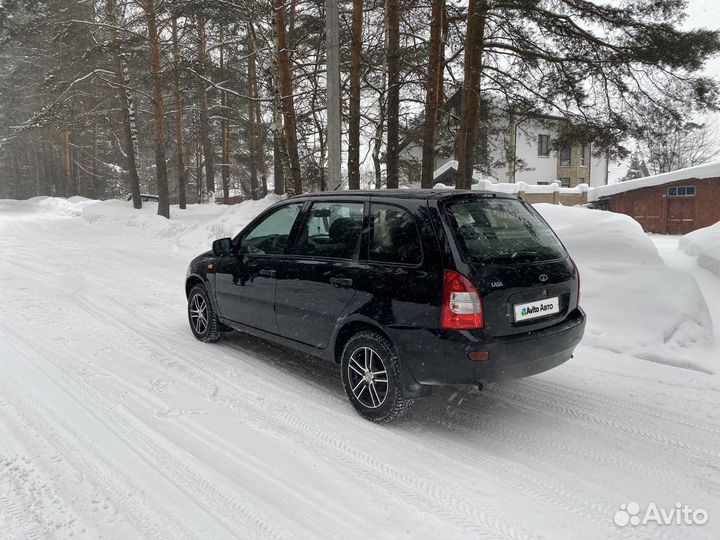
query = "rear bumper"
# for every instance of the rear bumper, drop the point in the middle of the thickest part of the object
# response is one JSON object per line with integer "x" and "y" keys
{"x": 435, "y": 357}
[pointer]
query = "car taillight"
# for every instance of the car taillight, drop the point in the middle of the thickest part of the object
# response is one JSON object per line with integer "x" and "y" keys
{"x": 577, "y": 273}
{"x": 461, "y": 307}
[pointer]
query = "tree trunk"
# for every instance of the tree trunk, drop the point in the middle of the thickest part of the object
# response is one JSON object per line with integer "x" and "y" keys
{"x": 252, "y": 114}
{"x": 435, "y": 65}
{"x": 261, "y": 157}
{"x": 286, "y": 93}
{"x": 158, "y": 111}
{"x": 67, "y": 162}
{"x": 441, "y": 72}
{"x": 127, "y": 106}
{"x": 393, "y": 101}
{"x": 179, "y": 128}
{"x": 204, "y": 109}
{"x": 94, "y": 180}
{"x": 278, "y": 167}
{"x": 467, "y": 140}
{"x": 224, "y": 130}
{"x": 354, "y": 124}
{"x": 382, "y": 106}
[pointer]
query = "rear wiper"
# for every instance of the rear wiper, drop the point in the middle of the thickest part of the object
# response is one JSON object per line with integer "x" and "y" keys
{"x": 523, "y": 254}
{"x": 514, "y": 257}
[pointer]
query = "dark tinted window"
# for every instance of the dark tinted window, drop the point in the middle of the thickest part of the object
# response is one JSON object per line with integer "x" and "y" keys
{"x": 502, "y": 231}
{"x": 543, "y": 145}
{"x": 270, "y": 236}
{"x": 331, "y": 230}
{"x": 394, "y": 236}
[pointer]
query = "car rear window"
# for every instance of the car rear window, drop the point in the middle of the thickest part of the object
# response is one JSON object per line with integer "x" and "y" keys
{"x": 490, "y": 230}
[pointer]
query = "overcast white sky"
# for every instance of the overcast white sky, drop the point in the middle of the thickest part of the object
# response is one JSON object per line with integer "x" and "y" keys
{"x": 705, "y": 14}
{"x": 701, "y": 14}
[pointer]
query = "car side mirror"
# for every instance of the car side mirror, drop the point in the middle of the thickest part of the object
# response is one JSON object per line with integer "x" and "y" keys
{"x": 222, "y": 247}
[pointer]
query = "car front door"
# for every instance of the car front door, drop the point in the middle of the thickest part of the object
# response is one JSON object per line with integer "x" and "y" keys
{"x": 317, "y": 278}
{"x": 245, "y": 280}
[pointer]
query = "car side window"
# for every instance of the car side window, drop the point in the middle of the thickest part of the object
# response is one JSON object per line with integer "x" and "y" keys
{"x": 394, "y": 237}
{"x": 271, "y": 235}
{"x": 331, "y": 229}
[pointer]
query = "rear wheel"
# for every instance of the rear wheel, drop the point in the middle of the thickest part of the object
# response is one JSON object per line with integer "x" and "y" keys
{"x": 201, "y": 315}
{"x": 371, "y": 377}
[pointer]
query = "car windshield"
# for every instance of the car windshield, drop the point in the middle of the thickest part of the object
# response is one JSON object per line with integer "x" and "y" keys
{"x": 490, "y": 230}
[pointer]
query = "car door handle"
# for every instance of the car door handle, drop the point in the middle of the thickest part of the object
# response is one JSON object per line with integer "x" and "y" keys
{"x": 267, "y": 273}
{"x": 341, "y": 282}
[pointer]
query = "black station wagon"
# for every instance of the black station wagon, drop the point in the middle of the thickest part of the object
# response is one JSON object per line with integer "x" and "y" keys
{"x": 405, "y": 289}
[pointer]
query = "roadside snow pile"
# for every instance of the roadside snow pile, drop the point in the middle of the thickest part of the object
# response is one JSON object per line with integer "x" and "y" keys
{"x": 59, "y": 206}
{"x": 635, "y": 305}
{"x": 705, "y": 245}
{"x": 191, "y": 229}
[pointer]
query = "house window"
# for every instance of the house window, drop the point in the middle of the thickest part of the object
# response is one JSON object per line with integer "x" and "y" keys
{"x": 681, "y": 191}
{"x": 543, "y": 183}
{"x": 544, "y": 145}
{"x": 565, "y": 156}
{"x": 581, "y": 180}
{"x": 583, "y": 154}
{"x": 564, "y": 182}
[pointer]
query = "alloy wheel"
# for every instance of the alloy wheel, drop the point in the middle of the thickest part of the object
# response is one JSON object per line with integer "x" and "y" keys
{"x": 368, "y": 377}
{"x": 199, "y": 314}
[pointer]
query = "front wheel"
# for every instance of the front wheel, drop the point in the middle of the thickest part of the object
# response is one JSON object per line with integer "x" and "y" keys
{"x": 370, "y": 373}
{"x": 201, "y": 315}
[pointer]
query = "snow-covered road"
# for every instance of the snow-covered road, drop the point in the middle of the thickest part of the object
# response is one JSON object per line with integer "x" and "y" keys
{"x": 115, "y": 423}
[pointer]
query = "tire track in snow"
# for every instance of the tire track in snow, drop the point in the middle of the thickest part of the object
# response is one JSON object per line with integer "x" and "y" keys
{"x": 581, "y": 397}
{"x": 134, "y": 504}
{"x": 555, "y": 403}
{"x": 180, "y": 470}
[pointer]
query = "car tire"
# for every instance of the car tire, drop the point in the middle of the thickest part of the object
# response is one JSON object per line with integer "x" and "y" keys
{"x": 370, "y": 372}
{"x": 201, "y": 315}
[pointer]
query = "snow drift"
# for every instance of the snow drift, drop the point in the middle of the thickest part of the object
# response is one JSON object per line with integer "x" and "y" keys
{"x": 705, "y": 245}
{"x": 635, "y": 304}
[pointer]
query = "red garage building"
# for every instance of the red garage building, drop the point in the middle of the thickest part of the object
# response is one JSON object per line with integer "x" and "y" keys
{"x": 671, "y": 203}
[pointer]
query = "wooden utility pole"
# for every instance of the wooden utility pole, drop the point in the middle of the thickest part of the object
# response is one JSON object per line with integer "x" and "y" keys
{"x": 334, "y": 113}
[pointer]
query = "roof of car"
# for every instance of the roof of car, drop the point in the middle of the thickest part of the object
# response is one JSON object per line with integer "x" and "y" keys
{"x": 402, "y": 193}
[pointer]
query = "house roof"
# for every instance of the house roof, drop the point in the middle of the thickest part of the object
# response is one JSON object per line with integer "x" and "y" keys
{"x": 707, "y": 170}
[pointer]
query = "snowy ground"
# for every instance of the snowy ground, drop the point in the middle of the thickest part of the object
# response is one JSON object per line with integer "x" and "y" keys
{"x": 115, "y": 423}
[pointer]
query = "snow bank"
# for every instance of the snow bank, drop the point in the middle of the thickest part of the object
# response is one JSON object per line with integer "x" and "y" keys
{"x": 634, "y": 303}
{"x": 57, "y": 206}
{"x": 191, "y": 229}
{"x": 705, "y": 245}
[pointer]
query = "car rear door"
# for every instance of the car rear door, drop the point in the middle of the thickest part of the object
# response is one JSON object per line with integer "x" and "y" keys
{"x": 524, "y": 275}
{"x": 245, "y": 281}
{"x": 317, "y": 278}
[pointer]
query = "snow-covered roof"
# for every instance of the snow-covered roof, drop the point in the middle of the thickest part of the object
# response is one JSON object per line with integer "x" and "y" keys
{"x": 707, "y": 170}
{"x": 450, "y": 164}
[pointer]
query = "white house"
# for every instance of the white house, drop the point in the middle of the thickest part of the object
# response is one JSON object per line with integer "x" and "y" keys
{"x": 519, "y": 150}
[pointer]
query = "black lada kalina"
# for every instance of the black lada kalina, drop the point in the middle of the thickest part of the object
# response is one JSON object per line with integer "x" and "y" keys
{"x": 404, "y": 289}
